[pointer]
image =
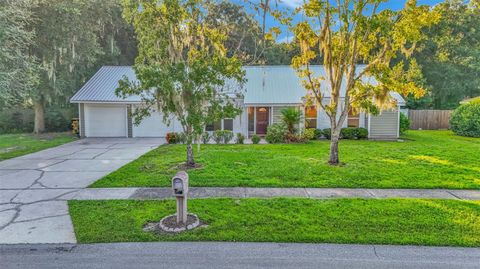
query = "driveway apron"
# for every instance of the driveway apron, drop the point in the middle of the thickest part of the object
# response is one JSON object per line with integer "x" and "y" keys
{"x": 34, "y": 188}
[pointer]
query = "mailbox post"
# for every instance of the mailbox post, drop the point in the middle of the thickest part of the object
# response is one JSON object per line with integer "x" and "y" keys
{"x": 180, "y": 190}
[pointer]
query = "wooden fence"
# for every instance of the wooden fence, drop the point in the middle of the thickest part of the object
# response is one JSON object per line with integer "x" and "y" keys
{"x": 429, "y": 119}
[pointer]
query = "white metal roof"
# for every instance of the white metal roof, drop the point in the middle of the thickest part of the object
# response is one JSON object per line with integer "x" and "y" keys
{"x": 264, "y": 85}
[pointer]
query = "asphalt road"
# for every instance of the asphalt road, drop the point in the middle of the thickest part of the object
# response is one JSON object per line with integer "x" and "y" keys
{"x": 234, "y": 255}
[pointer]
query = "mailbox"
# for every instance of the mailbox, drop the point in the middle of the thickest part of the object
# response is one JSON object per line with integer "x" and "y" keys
{"x": 180, "y": 190}
{"x": 180, "y": 184}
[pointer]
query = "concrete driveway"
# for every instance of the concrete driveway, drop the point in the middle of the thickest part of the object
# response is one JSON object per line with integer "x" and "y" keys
{"x": 34, "y": 188}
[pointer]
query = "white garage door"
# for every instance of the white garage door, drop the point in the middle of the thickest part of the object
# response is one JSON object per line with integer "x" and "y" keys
{"x": 153, "y": 126}
{"x": 105, "y": 120}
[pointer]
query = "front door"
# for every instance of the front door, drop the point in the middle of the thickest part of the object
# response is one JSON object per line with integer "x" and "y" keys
{"x": 263, "y": 118}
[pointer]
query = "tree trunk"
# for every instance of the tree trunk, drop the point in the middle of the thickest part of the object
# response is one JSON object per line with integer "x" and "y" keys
{"x": 334, "y": 159}
{"x": 190, "y": 160}
{"x": 39, "y": 123}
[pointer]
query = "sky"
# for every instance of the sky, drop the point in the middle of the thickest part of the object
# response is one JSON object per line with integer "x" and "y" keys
{"x": 291, "y": 4}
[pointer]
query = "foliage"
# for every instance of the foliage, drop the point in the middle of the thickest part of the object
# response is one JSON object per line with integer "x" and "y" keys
{"x": 17, "y": 68}
{"x": 318, "y": 133}
{"x": 465, "y": 120}
{"x": 227, "y": 136}
{"x": 439, "y": 158}
{"x": 291, "y": 117}
{"x": 346, "y": 35}
{"x": 240, "y": 139}
{"x": 361, "y": 133}
{"x": 309, "y": 134}
{"x": 172, "y": 138}
{"x": 218, "y": 136}
{"x": 14, "y": 145}
{"x": 369, "y": 221}
{"x": 348, "y": 133}
{"x": 295, "y": 138}
{"x": 182, "y": 138}
{"x": 256, "y": 139}
{"x": 404, "y": 123}
{"x": 276, "y": 133}
{"x": 53, "y": 46}
{"x": 18, "y": 120}
{"x": 354, "y": 133}
{"x": 206, "y": 137}
{"x": 450, "y": 54}
{"x": 327, "y": 133}
{"x": 243, "y": 31}
{"x": 182, "y": 65}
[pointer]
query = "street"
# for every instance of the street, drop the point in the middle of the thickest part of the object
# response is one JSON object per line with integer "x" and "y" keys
{"x": 234, "y": 255}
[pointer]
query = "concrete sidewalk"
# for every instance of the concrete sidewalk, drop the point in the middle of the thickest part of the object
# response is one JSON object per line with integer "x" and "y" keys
{"x": 235, "y": 255}
{"x": 320, "y": 193}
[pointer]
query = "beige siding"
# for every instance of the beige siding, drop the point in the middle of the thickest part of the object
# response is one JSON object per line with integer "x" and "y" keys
{"x": 277, "y": 113}
{"x": 385, "y": 125}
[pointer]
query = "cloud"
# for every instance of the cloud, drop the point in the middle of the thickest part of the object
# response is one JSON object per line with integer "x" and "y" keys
{"x": 292, "y": 3}
{"x": 285, "y": 39}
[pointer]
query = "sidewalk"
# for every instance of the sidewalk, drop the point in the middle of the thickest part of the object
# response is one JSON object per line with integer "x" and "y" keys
{"x": 237, "y": 192}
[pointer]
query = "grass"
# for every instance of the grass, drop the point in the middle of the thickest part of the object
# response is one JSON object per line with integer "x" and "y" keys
{"x": 14, "y": 145}
{"x": 427, "y": 159}
{"x": 363, "y": 221}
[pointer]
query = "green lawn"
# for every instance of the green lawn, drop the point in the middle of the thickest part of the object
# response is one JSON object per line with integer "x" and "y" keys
{"x": 14, "y": 145}
{"x": 427, "y": 159}
{"x": 362, "y": 221}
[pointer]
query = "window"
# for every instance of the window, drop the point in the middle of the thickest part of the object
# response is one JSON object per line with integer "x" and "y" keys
{"x": 228, "y": 124}
{"x": 251, "y": 120}
{"x": 214, "y": 126}
{"x": 353, "y": 119}
{"x": 311, "y": 117}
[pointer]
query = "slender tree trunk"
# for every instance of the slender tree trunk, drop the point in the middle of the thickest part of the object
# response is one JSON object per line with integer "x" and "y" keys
{"x": 334, "y": 158}
{"x": 39, "y": 123}
{"x": 190, "y": 160}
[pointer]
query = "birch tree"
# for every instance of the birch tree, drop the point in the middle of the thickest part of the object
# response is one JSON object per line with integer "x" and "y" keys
{"x": 346, "y": 33}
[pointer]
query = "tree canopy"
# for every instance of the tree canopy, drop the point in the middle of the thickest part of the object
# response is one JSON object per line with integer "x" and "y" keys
{"x": 183, "y": 66}
{"x": 449, "y": 56}
{"x": 351, "y": 32}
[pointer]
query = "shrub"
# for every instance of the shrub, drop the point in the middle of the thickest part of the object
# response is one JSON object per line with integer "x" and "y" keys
{"x": 205, "y": 138}
{"x": 218, "y": 136}
{"x": 276, "y": 133}
{"x": 182, "y": 138}
{"x": 404, "y": 123}
{"x": 291, "y": 116}
{"x": 348, "y": 133}
{"x": 240, "y": 138}
{"x": 309, "y": 134}
{"x": 227, "y": 136}
{"x": 327, "y": 133}
{"x": 465, "y": 120}
{"x": 318, "y": 133}
{"x": 361, "y": 133}
{"x": 56, "y": 121}
{"x": 172, "y": 138}
{"x": 295, "y": 138}
{"x": 255, "y": 139}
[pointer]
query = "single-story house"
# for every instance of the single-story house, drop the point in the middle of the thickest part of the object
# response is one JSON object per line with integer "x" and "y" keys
{"x": 268, "y": 89}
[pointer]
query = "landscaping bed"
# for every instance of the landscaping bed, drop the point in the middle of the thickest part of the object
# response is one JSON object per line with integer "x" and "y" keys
{"x": 14, "y": 145}
{"x": 361, "y": 221}
{"x": 425, "y": 159}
